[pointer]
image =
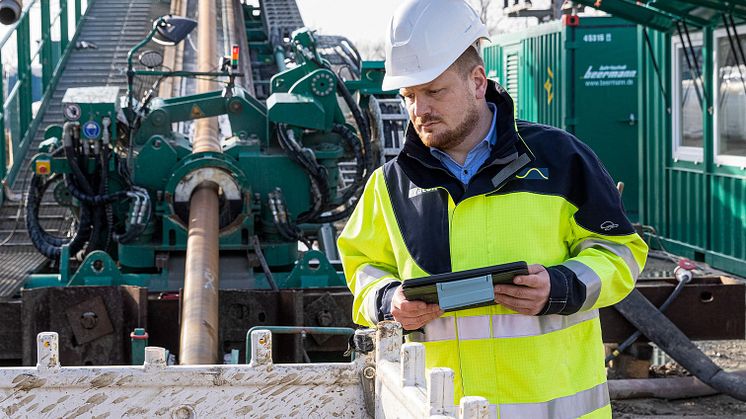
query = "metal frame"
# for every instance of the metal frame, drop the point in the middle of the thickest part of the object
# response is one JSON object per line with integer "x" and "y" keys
{"x": 51, "y": 72}
{"x": 680, "y": 152}
{"x": 722, "y": 159}
{"x": 660, "y": 14}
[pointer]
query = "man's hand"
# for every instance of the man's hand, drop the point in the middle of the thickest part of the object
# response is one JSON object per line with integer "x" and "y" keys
{"x": 412, "y": 314}
{"x": 529, "y": 294}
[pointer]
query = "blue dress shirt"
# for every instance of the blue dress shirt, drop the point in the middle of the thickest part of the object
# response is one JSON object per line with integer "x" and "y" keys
{"x": 476, "y": 156}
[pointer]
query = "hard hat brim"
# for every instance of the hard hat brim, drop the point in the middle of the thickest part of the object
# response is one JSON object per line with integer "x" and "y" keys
{"x": 413, "y": 79}
{"x": 391, "y": 82}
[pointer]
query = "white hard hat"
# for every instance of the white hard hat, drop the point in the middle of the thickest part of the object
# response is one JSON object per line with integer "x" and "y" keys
{"x": 425, "y": 37}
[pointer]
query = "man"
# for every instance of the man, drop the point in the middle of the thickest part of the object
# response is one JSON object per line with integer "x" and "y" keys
{"x": 471, "y": 188}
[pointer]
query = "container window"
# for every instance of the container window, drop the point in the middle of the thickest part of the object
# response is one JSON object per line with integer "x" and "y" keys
{"x": 687, "y": 89}
{"x": 730, "y": 108}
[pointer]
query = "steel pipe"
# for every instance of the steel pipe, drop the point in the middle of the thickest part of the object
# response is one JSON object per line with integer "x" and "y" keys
{"x": 670, "y": 388}
{"x": 206, "y": 131}
{"x": 199, "y": 316}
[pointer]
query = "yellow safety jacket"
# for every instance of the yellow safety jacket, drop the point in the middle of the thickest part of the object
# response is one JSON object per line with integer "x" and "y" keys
{"x": 542, "y": 197}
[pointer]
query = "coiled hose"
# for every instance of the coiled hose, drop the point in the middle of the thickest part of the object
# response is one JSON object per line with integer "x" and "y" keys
{"x": 46, "y": 243}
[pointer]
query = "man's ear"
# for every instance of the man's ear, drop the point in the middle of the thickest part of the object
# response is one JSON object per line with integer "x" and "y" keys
{"x": 478, "y": 78}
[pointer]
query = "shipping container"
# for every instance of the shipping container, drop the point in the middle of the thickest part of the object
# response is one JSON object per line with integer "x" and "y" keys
{"x": 583, "y": 79}
{"x": 663, "y": 106}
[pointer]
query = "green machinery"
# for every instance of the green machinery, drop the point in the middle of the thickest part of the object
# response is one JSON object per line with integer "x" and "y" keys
{"x": 118, "y": 164}
{"x": 130, "y": 177}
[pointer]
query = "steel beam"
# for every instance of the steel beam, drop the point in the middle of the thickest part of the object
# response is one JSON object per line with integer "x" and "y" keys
{"x": 633, "y": 12}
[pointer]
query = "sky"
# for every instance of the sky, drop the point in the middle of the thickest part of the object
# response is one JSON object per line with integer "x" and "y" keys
{"x": 362, "y": 21}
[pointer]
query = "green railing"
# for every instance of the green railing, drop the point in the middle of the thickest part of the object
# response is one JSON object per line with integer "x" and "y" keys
{"x": 42, "y": 38}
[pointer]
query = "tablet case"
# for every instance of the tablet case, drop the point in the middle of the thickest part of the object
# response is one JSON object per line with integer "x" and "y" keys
{"x": 464, "y": 289}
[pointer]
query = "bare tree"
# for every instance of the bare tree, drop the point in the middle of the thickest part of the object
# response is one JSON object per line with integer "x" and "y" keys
{"x": 372, "y": 50}
{"x": 482, "y": 6}
{"x": 490, "y": 12}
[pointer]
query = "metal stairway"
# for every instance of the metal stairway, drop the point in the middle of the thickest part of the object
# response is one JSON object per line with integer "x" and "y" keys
{"x": 110, "y": 28}
{"x": 266, "y": 28}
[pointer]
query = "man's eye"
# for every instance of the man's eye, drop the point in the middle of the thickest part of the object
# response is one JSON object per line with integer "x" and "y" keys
{"x": 435, "y": 91}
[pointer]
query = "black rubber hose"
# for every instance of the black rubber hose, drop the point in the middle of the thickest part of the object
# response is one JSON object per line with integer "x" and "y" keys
{"x": 356, "y": 188}
{"x": 78, "y": 176}
{"x": 47, "y": 244}
{"x": 92, "y": 199}
{"x": 634, "y": 336}
{"x": 35, "y": 195}
{"x": 660, "y": 330}
{"x": 317, "y": 174}
{"x": 101, "y": 234}
{"x": 135, "y": 230}
{"x": 108, "y": 210}
{"x": 360, "y": 120}
{"x": 352, "y": 141}
{"x": 132, "y": 233}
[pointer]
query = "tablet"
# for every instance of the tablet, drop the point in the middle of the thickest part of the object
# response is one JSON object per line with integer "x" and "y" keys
{"x": 464, "y": 289}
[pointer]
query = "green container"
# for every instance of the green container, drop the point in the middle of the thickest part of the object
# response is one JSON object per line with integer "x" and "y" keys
{"x": 698, "y": 206}
{"x": 583, "y": 79}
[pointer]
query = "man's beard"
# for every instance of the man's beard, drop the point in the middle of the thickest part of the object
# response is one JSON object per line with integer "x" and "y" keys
{"x": 450, "y": 138}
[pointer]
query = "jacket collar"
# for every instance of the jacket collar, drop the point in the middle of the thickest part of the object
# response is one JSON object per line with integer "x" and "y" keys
{"x": 507, "y": 157}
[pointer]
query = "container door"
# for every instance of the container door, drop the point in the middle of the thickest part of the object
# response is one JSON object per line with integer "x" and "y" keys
{"x": 604, "y": 109}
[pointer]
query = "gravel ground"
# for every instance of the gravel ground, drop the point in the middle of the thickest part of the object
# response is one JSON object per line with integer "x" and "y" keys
{"x": 729, "y": 355}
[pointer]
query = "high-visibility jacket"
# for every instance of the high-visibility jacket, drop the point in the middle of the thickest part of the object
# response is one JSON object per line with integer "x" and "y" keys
{"x": 542, "y": 197}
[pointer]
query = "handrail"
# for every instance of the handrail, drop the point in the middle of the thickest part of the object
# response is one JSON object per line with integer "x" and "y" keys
{"x": 22, "y": 125}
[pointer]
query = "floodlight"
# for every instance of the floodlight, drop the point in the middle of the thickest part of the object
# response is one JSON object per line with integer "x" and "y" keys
{"x": 170, "y": 30}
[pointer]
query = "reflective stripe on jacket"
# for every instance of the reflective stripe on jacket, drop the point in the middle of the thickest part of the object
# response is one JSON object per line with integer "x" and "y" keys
{"x": 542, "y": 197}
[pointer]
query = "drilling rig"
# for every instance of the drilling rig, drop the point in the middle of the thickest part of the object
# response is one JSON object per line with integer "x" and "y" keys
{"x": 199, "y": 216}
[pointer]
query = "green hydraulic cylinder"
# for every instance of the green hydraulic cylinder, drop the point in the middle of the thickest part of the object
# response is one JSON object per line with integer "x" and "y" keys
{"x": 139, "y": 339}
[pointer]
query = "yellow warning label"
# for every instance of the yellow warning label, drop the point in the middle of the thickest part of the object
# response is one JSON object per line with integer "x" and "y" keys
{"x": 548, "y": 86}
{"x": 197, "y": 112}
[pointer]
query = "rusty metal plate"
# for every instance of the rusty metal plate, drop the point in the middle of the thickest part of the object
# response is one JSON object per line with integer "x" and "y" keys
{"x": 10, "y": 332}
{"x": 60, "y": 309}
{"x": 330, "y": 307}
{"x": 711, "y": 308}
{"x": 89, "y": 320}
{"x": 239, "y": 311}
{"x": 325, "y": 311}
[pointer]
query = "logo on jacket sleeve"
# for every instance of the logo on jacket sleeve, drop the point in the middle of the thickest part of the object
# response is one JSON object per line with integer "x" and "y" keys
{"x": 534, "y": 173}
{"x": 609, "y": 225}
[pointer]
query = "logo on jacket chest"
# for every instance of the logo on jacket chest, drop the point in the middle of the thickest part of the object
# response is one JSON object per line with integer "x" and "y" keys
{"x": 533, "y": 173}
{"x": 415, "y": 191}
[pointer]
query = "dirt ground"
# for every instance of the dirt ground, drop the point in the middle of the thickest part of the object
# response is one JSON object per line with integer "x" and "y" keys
{"x": 729, "y": 355}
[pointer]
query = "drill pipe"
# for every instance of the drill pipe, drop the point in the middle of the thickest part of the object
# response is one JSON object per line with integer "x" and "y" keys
{"x": 199, "y": 316}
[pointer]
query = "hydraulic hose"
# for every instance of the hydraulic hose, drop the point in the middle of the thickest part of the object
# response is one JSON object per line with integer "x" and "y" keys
{"x": 140, "y": 215}
{"x": 683, "y": 276}
{"x": 360, "y": 120}
{"x": 47, "y": 244}
{"x": 92, "y": 199}
{"x": 352, "y": 141}
{"x": 660, "y": 330}
{"x": 68, "y": 144}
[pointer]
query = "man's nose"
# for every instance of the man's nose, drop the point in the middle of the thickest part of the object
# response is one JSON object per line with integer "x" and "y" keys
{"x": 420, "y": 107}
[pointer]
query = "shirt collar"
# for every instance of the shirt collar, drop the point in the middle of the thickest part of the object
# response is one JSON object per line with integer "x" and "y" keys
{"x": 488, "y": 140}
